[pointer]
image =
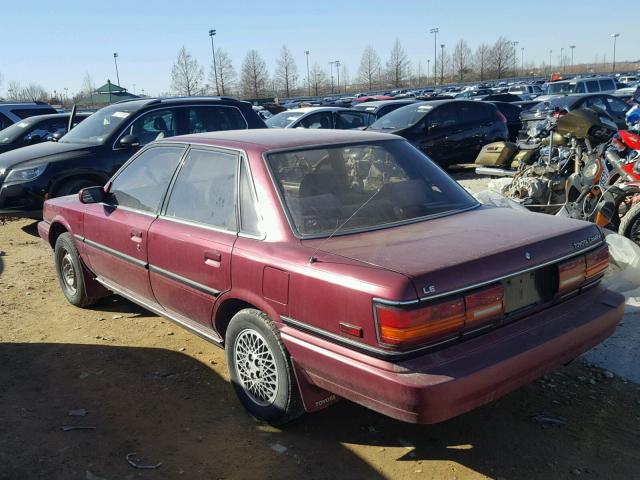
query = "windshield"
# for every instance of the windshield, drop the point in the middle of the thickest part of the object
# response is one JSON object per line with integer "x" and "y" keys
{"x": 13, "y": 132}
{"x": 362, "y": 187}
{"x": 283, "y": 119}
{"x": 561, "y": 87}
{"x": 98, "y": 127}
{"x": 402, "y": 117}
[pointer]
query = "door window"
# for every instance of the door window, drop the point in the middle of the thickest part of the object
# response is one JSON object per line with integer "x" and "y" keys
{"x": 616, "y": 106}
{"x": 444, "y": 116}
{"x": 592, "y": 86}
{"x": 350, "y": 120}
{"x": 46, "y": 128}
{"x": 153, "y": 126}
{"x": 205, "y": 190}
{"x": 595, "y": 102}
{"x": 474, "y": 114}
{"x": 580, "y": 88}
{"x": 214, "y": 118}
{"x": 607, "y": 85}
{"x": 143, "y": 182}
{"x": 4, "y": 122}
{"x": 317, "y": 120}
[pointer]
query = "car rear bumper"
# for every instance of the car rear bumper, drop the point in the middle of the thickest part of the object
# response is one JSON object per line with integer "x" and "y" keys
{"x": 440, "y": 385}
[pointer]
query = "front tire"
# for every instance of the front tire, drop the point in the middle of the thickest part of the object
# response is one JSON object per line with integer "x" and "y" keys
{"x": 260, "y": 369}
{"x": 70, "y": 271}
{"x": 630, "y": 224}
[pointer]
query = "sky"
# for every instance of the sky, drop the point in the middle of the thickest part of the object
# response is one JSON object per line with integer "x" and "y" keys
{"x": 57, "y": 43}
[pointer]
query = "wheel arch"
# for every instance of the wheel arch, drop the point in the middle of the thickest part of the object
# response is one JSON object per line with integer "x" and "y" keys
{"x": 231, "y": 304}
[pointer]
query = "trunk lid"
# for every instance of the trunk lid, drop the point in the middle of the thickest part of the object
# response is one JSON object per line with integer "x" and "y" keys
{"x": 455, "y": 252}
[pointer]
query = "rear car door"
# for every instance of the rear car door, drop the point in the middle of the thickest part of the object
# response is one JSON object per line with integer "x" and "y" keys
{"x": 116, "y": 231}
{"x": 191, "y": 242}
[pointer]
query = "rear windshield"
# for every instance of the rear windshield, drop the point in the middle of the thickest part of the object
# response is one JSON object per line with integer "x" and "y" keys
{"x": 362, "y": 187}
{"x": 31, "y": 112}
{"x": 561, "y": 87}
{"x": 283, "y": 119}
{"x": 402, "y": 117}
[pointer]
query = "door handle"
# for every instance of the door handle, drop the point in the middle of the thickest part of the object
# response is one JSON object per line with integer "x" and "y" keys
{"x": 136, "y": 236}
{"x": 212, "y": 258}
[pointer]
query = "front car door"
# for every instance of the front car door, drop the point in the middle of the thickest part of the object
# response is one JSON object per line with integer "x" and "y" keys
{"x": 440, "y": 126}
{"x": 116, "y": 231}
{"x": 191, "y": 242}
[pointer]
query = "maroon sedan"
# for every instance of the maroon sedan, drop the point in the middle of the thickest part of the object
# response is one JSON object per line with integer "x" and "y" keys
{"x": 337, "y": 264}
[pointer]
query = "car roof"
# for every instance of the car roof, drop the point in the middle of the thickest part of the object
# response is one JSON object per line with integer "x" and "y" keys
{"x": 380, "y": 103}
{"x": 314, "y": 109}
{"x": 50, "y": 116}
{"x": 280, "y": 138}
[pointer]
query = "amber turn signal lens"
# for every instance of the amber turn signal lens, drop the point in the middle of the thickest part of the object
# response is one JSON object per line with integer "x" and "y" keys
{"x": 401, "y": 328}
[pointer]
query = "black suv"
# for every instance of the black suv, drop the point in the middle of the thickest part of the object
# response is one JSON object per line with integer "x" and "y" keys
{"x": 448, "y": 131}
{"x": 94, "y": 150}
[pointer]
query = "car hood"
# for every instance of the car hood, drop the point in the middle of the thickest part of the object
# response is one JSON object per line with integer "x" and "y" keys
{"x": 454, "y": 252}
{"x": 45, "y": 152}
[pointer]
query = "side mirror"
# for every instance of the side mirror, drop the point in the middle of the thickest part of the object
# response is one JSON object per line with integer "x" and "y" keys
{"x": 57, "y": 135}
{"x": 129, "y": 141}
{"x": 91, "y": 195}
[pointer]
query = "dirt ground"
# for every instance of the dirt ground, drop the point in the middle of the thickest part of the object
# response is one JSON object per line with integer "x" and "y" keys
{"x": 151, "y": 388}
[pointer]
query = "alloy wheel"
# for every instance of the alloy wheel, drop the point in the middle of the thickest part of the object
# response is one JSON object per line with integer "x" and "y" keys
{"x": 256, "y": 367}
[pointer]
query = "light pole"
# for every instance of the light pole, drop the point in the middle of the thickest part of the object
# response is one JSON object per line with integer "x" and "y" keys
{"x": 550, "y": 68}
{"x": 115, "y": 60}
{"x": 212, "y": 33}
{"x": 615, "y": 38}
{"x": 562, "y": 59}
{"x": 306, "y": 52}
{"x": 331, "y": 67}
{"x": 522, "y": 60}
{"x": 442, "y": 64}
{"x": 435, "y": 53}
{"x": 337, "y": 62}
{"x": 515, "y": 60}
{"x": 572, "y": 47}
{"x": 428, "y": 66}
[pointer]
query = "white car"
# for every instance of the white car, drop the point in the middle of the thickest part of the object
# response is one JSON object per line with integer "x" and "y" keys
{"x": 322, "y": 117}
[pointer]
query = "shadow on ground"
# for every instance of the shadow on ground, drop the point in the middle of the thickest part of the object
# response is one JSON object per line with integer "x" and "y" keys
{"x": 170, "y": 408}
{"x": 31, "y": 229}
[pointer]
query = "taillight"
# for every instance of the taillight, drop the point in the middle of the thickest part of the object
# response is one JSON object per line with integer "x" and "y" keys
{"x": 484, "y": 306}
{"x": 403, "y": 328}
{"x": 558, "y": 114}
{"x": 571, "y": 274}
{"x": 501, "y": 117}
{"x": 597, "y": 262}
{"x": 575, "y": 272}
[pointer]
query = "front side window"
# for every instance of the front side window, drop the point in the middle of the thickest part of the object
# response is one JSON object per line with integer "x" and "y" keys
{"x": 362, "y": 186}
{"x": 444, "y": 117}
{"x": 351, "y": 120}
{"x": 153, "y": 126}
{"x": 141, "y": 184}
{"x": 316, "y": 120}
{"x": 283, "y": 119}
{"x": 214, "y": 119}
{"x": 404, "y": 117}
{"x": 205, "y": 190}
{"x": 616, "y": 105}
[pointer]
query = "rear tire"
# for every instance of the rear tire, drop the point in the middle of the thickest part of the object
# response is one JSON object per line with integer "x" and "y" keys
{"x": 630, "y": 224}
{"x": 70, "y": 271}
{"x": 260, "y": 368}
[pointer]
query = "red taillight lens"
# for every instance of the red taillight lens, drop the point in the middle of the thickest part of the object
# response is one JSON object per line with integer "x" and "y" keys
{"x": 484, "y": 306}
{"x": 558, "y": 114}
{"x": 501, "y": 117}
{"x": 403, "y": 328}
{"x": 571, "y": 274}
{"x": 597, "y": 262}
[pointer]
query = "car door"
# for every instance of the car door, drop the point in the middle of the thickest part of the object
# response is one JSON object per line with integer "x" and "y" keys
{"x": 439, "y": 139}
{"x": 191, "y": 242}
{"x": 116, "y": 230}
{"x": 472, "y": 131}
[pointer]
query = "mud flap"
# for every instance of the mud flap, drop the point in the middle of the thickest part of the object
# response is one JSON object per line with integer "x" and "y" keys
{"x": 313, "y": 398}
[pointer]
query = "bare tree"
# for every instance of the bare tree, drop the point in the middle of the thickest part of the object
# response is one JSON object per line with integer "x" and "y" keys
{"x": 501, "y": 57}
{"x": 186, "y": 75}
{"x": 481, "y": 59}
{"x": 13, "y": 90}
{"x": 319, "y": 80}
{"x": 397, "y": 65}
{"x": 369, "y": 67}
{"x": 461, "y": 59}
{"x": 286, "y": 71}
{"x": 255, "y": 76}
{"x": 226, "y": 73}
{"x": 34, "y": 92}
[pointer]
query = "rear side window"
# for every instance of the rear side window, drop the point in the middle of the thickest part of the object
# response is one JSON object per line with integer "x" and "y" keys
{"x": 607, "y": 84}
{"x": 205, "y": 190}
{"x": 592, "y": 86}
{"x": 214, "y": 118}
{"x": 4, "y": 121}
{"x": 30, "y": 112}
{"x": 144, "y": 181}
